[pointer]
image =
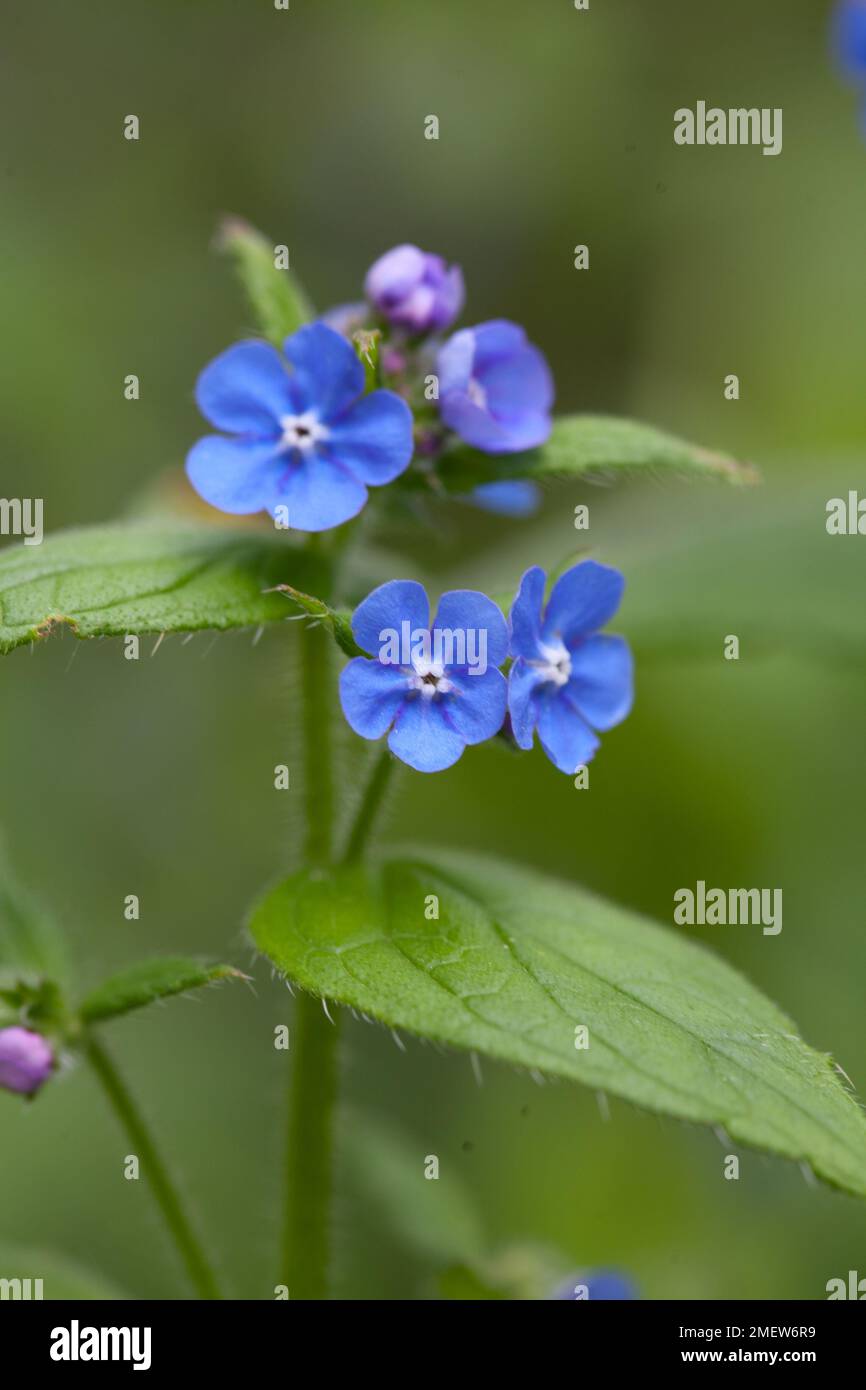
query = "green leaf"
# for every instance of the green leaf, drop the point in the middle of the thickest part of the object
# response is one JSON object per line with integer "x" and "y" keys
{"x": 148, "y": 982}
{"x": 592, "y": 446}
{"x": 517, "y": 1273}
{"x": 39, "y": 1005}
{"x": 463, "y": 1283}
{"x": 30, "y": 940}
{"x": 118, "y": 579}
{"x": 62, "y": 1278}
{"x": 517, "y": 961}
{"x": 280, "y": 305}
{"x": 337, "y": 622}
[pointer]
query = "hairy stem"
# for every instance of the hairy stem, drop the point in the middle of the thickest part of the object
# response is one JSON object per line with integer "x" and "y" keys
{"x": 309, "y": 1159}
{"x": 155, "y": 1171}
{"x": 317, "y": 713}
{"x": 314, "y": 1060}
{"x": 371, "y": 804}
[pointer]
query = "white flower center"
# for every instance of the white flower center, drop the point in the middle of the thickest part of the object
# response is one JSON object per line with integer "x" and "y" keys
{"x": 555, "y": 663}
{"x": 476, "y": 393}
{"x": 429, "y": 678}
{"x": 302, "y": 431}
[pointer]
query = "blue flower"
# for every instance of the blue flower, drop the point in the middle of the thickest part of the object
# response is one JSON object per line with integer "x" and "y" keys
{"x": 415, "y": 290}
{"x": 602, "y": 1285}
{"x": 495, "y": 388}
{"x": 849, "y": 37}
{"x": 568, "y": 678}
{"x": 304, "y": 437}
{"x": 433, "y": 688}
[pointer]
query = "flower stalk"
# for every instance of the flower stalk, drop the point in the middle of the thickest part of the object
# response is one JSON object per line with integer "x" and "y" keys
{"x": 370, "y": 806}
{"x": 305, "y": 1251}
{"x": 176, "y": 1219}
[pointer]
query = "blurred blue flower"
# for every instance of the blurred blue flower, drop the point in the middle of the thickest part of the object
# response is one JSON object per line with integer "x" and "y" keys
{"x": 568, "y": 678}
{"x": 304, "y": 436}
{"x": 516, "y": 497}
{"x": 433, "y": 688}
{"x": 26, "y": 1060}
{"x": 605, "y": 1285}
{"x": 849, "y": 37}
{"x": 495, "y": 388}
{"x": 415, "y": 290}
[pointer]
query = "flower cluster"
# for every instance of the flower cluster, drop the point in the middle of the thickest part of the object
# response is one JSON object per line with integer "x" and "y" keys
{"x": 301, "y": 440}
{"x": 304, "y": 438}
{"x": 435, "y": 688}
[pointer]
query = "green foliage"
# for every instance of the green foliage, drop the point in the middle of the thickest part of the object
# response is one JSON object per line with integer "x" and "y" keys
{"x": 277, "y": 300}
{"x": 118, "y": 579}
{"x": 592, "y": 446}
{"x": 148, "y": 982}
{"x": 30, "y": 940}
{"x": 516, "y": 962}
{"x": 434, "y": 1218}
{"x": 62, "y": 1278}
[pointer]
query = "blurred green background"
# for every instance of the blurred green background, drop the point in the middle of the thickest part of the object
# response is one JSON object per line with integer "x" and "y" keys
{"x": 156, "y": 777}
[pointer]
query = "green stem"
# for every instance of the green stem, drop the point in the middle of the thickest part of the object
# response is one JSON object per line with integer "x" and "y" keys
{"x": 164, "y": 1191}
{"x": 314, "y": 1051}
{"x": 371, "y": 804}
{"x": 317, "y": 712}
{"x": 309, "y": 1160}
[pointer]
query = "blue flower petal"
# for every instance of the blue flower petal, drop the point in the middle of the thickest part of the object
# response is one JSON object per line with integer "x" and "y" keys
{"x": 515, "y": 497}
{"x": 610, "y": 1286}
{"x": 245, "y": 390}
{"x": 423, "y": 737}
{"x": 454, "y": 362}
{"x": 318, "y": 492}
{"x": 373, "y": 439}
{"x": 236, "y": 475}
{"x": 386, "y": 608}
{"x": 327, "y": 373}
{"x": 476, "y": 707}
{"x": 526, "y": 614}
{"x": 495, "y": 339}
{"x": 371, "y": 695}
{"x": 582, "y": 601}
{"x": 483, "y": 431}
{"x": 565, "y": 738}
{"x": 523, "y": 683}
{"x": 519, "y": 383}
{"x": 465, "y": 611}
{"x": 600, "y": 688}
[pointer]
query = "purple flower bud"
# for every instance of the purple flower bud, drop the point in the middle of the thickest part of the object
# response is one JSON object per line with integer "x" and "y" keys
{"x": 415, "y": 290}
{"x": 26, "y": 1060}
{"x": 393, "y": 362}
